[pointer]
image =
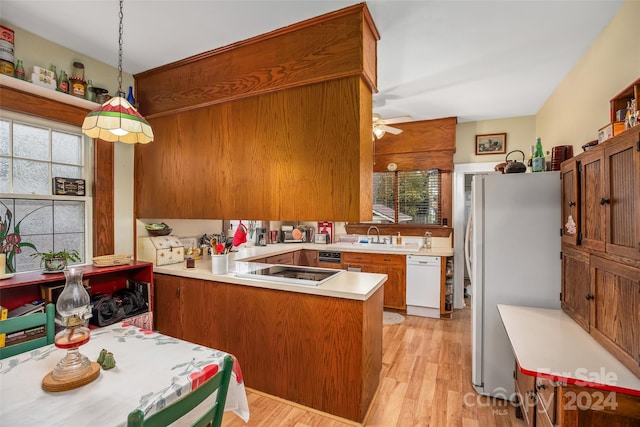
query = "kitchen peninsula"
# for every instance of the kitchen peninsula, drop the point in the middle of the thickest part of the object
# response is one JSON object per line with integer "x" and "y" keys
{"x": 319, "y": 346}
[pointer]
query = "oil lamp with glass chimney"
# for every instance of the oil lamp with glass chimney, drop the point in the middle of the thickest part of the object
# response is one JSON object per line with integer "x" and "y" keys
{"x": 74, "y": 310}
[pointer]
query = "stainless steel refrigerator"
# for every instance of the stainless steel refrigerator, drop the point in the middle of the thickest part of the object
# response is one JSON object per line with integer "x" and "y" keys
{"x": 513, "y": 248}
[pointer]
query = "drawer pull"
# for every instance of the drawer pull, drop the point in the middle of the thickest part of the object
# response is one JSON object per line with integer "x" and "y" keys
{"x": 589, "y": 297}
{"x": 604, "y": 201}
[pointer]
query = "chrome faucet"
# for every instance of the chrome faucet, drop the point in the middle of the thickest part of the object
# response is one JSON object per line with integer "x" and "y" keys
{"x": 377, "y": 230}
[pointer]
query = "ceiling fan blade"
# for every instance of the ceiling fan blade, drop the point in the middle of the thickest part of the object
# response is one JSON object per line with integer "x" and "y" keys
{"x": 392, "y": 120}
{"x": 391, "y": 130}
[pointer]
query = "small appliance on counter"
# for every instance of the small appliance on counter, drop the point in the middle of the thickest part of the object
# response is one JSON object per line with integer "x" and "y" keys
{"x": 322, "y": 239}
{"x": 289, "y": 234}
{"x": 261, "y": 236}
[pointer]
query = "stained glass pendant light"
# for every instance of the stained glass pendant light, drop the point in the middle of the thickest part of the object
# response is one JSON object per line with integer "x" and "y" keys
{"x": 117, "y": 120}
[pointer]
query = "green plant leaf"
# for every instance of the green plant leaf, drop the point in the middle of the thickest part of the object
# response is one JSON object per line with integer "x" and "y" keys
{"x": 28, "y": 245}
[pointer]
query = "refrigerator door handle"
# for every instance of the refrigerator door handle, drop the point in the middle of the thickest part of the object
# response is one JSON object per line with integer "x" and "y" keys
{"x": 467, "y": 243}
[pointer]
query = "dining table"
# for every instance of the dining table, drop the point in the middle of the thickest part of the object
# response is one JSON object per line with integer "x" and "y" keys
{"x": 152, "y": 370}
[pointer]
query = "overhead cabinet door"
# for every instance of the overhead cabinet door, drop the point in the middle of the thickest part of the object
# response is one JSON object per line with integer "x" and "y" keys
{"x": 570, "y": 201}
{"x": 592, "y": 220}
{"x": 621, "y": 201}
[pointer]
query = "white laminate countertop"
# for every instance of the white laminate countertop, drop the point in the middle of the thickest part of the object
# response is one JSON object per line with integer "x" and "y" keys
{"x": 548, "y": 343}
{"x": 349, "y": 285}
{"x": 254, "y": 252}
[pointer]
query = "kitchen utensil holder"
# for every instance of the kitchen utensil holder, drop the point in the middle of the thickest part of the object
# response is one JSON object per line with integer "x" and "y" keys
{"x": 220, "y": 263}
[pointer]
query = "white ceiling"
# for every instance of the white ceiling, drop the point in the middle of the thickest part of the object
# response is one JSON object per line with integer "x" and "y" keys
{"x": 475, "y": 59}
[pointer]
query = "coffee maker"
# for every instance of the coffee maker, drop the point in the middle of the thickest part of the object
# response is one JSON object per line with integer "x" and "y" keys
{"x": 261, "y": 236}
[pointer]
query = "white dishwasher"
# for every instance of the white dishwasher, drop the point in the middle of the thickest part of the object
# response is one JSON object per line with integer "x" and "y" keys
{"x": 423, "y": 285}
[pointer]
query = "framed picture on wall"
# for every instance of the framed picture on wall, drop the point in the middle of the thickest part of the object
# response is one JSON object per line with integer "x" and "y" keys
{"x": 492, "y": 143}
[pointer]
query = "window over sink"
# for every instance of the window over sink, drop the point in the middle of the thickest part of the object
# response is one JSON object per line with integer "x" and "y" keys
{"x": 32, "y": 152}
{"x": 407, "y": 197}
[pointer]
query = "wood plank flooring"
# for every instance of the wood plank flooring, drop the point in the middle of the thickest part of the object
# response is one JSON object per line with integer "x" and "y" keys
{"x": 425, "y": 381}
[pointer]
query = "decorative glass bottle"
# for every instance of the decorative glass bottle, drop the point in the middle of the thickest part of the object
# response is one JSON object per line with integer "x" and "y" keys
{"x": 130, "y": 97}
{"x": 74, "y": 309}
{"x": 19, "y": 71}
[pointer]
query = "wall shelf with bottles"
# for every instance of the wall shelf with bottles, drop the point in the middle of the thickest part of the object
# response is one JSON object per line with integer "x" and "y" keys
{"x": 54, "y": 95}
{"x": 619, "y": 102}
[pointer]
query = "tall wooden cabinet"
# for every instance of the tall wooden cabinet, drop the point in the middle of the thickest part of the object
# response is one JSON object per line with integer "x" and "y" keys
{"x": 601, "y": 260}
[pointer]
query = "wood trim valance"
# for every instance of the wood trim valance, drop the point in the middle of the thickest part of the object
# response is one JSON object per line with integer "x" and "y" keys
{"x": 332, "y": 46}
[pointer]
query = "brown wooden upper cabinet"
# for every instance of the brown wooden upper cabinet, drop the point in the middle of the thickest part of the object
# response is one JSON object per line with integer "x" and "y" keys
{"x": 592, "y": 219}
{"x": 276, "y": 127}
{"x": 570, "y": 200}
{"x": 600, "y": 190}
{"x": 621, "y": 195}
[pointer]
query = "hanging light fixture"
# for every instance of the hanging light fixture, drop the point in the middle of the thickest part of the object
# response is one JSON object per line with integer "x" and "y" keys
{"x": 117, "y": 120}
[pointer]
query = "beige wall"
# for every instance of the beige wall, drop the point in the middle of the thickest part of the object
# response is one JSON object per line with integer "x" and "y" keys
{"x": 520, "y": 136}
{"x": 580, "y": 105}
{"x": 34, "y": 50}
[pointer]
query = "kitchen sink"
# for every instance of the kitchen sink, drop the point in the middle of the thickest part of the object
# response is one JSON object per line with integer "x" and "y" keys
{"x": 409, "y": 247}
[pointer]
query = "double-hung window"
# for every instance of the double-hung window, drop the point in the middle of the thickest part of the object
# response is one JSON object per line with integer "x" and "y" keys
{"x": 407, "y": 197}
{"x": 33, "y": 152}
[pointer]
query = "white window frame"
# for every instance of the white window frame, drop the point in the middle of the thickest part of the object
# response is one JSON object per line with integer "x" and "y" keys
{"x": 87, "y": 154}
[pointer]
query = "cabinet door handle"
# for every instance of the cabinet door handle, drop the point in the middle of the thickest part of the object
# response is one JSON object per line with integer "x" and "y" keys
{"x": 589, "y": 297}
{"x": 604, "y": 201}
{"x": 571, "y": 204}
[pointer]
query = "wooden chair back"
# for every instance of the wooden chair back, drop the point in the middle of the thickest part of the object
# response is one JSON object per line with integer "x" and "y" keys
{"x": 213, "y": 415}
{"x": 25, "y": 323}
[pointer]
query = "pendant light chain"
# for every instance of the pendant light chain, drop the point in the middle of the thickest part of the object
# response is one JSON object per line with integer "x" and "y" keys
{"x": 117, "y": 120}
{"x": 121, "y": 15}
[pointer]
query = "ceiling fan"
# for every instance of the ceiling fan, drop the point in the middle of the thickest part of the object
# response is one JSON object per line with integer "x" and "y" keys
{"x": 380, "y": 125}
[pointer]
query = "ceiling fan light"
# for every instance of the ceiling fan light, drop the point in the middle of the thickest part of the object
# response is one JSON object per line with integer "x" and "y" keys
{"x": 379, "y": 133}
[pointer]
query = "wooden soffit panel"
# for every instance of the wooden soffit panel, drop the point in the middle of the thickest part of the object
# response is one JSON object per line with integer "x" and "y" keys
{"x": 35, "y": 105}
{"x": 425, "y": 135}
{"x": 287, "y": 155}
{"x": 331, "y": 46}
{"x": 423, "y": 160}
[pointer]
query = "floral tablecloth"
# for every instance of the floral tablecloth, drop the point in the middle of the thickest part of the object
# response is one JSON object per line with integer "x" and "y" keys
{"x": 152, "y": 370}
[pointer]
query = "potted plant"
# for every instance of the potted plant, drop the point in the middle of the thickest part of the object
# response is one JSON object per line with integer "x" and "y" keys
{"x": 56, "y": 261}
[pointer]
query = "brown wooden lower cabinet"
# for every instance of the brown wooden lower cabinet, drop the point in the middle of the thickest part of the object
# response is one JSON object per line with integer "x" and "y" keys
{"x": 320, "y": 352}
{"x": 576, "y": 285}
{"x": 394, "y": 266}
{"x": 615, "y": 310}
{"x": 286, "y": 258}
{"x": 309, "y": 258}
{"x": 525, "y": 396}
{"x": 545, "y": 403}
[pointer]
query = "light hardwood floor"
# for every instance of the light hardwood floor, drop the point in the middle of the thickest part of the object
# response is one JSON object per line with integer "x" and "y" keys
{"x": 425, "y": 381}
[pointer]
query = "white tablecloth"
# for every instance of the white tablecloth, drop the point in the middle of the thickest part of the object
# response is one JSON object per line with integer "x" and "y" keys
{"x": 152, "y": 370}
